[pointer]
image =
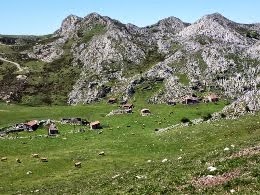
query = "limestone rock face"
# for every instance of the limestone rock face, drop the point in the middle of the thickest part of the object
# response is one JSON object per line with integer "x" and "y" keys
{"x": 249, "y": 102}
{"x": 69, "y": 25}
{"x": 213, "y": 54}
{"x": 48, "y": 52}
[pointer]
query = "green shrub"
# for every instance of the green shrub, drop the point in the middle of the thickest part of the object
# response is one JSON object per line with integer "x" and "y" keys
{"x": 247, "y": 109}
{"x": 183, "y": 78}
{"x": 223, "y": 115}
{"x": 96, "y": 30}
{"x": 206, "y": 117}
{"x": 252, "y": 34}
{"x": 185, "y": 120}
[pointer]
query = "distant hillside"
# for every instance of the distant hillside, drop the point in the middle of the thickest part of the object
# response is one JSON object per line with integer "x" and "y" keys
{"x": 96, "y": 57}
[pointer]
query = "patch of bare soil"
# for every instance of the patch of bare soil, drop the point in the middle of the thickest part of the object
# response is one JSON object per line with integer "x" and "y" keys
{"x": 214, "y": 180}
{"x": 246, "y": 152}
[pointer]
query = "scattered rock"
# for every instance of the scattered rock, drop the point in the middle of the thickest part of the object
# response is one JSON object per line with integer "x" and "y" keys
{"x": 101, "y": 153}
{"x": 78, "y": 164}
{"x": 211, "y": 168}
{"x": 44, "y": 159}
{"x": 21, "y": 77}
{"x": 141, "y": 177}
{"x": 28, "y": 172}
{"x": 4, "y": 159}
{"x": 115, "y": 176}
{"x": 18, "y": 160}
{"x": 226, "y": 149}
{"x": 164, "y": 160}
{"x": 35, "y": 155}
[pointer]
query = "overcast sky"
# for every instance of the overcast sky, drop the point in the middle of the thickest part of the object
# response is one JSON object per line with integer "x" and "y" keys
{"x": 40, "y": 17}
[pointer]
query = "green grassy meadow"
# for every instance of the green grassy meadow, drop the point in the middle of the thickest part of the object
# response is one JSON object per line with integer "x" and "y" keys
{"x": 134, "y": 152}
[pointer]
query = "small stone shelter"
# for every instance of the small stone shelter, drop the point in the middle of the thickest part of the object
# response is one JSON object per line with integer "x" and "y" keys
{"x": 95, "y": 125}
{"x": 190, "y": 100}
{"x": 32, "y": 125}
{"x": 145, "y": 112}
{"x": 112, "y": 101}
{"x": 211, "y": 98}
{"x": 127, "y": 106}
{"x": 53, "y": 130}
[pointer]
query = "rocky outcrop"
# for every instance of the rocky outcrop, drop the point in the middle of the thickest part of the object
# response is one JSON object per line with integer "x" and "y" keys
{"x": 48, "y": 52}
{"x": 69, "y": 26}
{"x": 249, "y": 102}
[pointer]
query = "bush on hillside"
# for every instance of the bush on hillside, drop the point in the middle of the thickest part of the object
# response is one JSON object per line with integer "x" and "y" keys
{"x": 185, "y": 120}
{"x": 206, "y": 117}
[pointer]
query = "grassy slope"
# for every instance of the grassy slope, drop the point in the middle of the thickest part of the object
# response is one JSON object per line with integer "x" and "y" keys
{"x": 44, "y": 79}
{"x": 128, "y": 145}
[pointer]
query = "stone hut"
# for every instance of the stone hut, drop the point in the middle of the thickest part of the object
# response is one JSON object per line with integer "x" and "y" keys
{"x": 212, "y": 98}
{"x": 190, "y": 100}
{"x": 145, "y": 112}
{"x": 127, "y": 106}
{"x": 95, "y": 125}
{"x": 171, "y": 102}
{"x": 112, "y": 101}
{"x": 53, "y": 130}
{"x": 32, "y": 125}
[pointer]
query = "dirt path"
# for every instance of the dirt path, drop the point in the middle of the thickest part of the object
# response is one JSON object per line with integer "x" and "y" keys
{"x": 16, "y": 64}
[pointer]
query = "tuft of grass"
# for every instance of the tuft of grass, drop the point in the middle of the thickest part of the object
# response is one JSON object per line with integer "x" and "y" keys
{"x": 183, "y": 79}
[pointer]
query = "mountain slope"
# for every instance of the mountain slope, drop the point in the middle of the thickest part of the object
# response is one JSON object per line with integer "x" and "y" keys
{"x": 108, "y": 58}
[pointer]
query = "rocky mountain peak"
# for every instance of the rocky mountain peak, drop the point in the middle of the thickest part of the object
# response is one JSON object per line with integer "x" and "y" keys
{"x": 69, "y": 25}
{"x": 95, "y": 18}
{"x": 217, "y": 27}
{"x": 172, "y": 21}
{"x": 170, "y": 24}
{"x": 218, "y": 18}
